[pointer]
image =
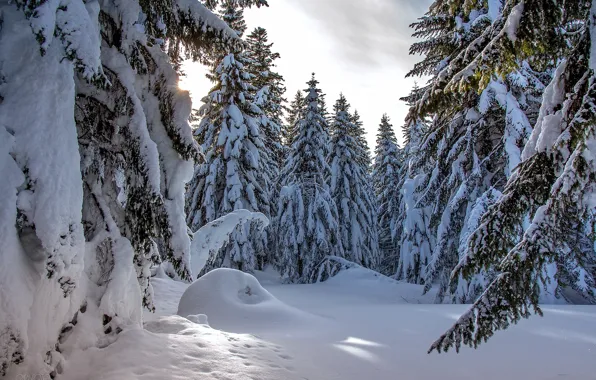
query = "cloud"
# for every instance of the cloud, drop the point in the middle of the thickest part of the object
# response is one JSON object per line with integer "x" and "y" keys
{"x": 368, "y": 32}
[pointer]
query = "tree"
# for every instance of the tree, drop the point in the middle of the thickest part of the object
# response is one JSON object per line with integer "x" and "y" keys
{"x": 306, "y": 226}
{"x": 473, "y": 144}
{"x": 385, "y": 182}
{"x": 295, "y": 113}
{"x": 269, "y": 97}
{"x": 232, "y": 176}
{"x": 359, "y": 133}
{"x": 98, "y": 171}
{"x": 270, "y": 90}
{"x": 548, "y": 183}
{"x": 410, "y": 226}
{"x": 349, "y": 189}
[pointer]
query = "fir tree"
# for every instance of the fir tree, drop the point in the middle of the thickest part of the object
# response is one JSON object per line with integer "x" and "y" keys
{"x": 385, "y": 181}
{"x": 233, "y": 15}
{"x": 268, "y": 93}
{"x": 295, "y": 113}
{"x": 232, "y": 176}
{"x": 475, "y": 139}
{"x": 349, "y": 186}
{"x": 410, "y": 227}
{"x": 96, "y": 176}
{"x": 550, "y": 181}
{"x": 261, "y": 64}
{"x": 306, "y": 226}
{"x": 359, "y": 133}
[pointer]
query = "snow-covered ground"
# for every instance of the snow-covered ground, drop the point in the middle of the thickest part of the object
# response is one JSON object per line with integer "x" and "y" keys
{"x": 355, "y": 326}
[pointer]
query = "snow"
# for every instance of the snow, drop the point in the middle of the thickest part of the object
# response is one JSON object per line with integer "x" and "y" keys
{"x": 358, "y": 325}
{"x": 38, "y": 134}
{"x": 548, "y": 126}
{"x": 214, "y": 235}
{"x": 494, "y": 9}
{"x": 235, "y": 301}
{"x": 176, "y": 348}
{"x": 513, "y": 21}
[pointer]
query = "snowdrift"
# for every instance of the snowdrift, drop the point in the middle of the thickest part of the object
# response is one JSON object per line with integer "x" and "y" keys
{"x": 176, "y": 348}
{"x": 236, "y": 301}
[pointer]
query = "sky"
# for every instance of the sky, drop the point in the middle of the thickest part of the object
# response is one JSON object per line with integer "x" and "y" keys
{"x": 355, "y": 47}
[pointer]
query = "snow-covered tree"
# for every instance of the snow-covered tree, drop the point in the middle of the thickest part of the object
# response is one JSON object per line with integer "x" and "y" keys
{"x": 474, "y": 141}
{"x": 232, "y": 176}
{"x": 295, "y": 114}
{"x": 410, "y": 226}
{"x": 95, "y": 176}
{"x": 270, "y": 91}
{"x": 350, "y": 189}
{"x": 306, "y": 227}
{"x": 233, "y": 15}
{"x": 551, "y": 180}
{"x": 385, "y": 183}
{"x": 359, "y": 133}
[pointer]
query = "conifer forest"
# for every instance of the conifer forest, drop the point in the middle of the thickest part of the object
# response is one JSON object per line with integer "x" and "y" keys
{"x": 254, "y": 229}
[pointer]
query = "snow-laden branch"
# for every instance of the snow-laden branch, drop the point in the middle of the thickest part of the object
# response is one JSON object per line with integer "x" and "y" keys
{"x": 213, "y": 236}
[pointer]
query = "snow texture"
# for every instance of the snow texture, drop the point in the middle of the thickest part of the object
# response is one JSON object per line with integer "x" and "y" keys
{"x": 174, "y": 347}
{"x": 234, "y": 301}
{"x": 41, "y": 158}
{"x": 214, "y": 235}
{"x": 351, "y": 334}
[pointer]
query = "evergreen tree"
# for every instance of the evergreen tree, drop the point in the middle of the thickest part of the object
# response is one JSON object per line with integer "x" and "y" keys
{"x": 410, "y": 227}
{"x": 306, "y": 226}
{"x": 96, "y": 175}
{"x": 474, "y": 141}
{"x": 349, "y": 186}
{"x": 295, "y": 113}
{"x": 232, "y": 176}
{"x": 549, "y": 181}
{"x": 385, "y": 181}
{"x": 359, "y": 133}
{"x": 233, "y": 15}
{"x": 270, "y": 90}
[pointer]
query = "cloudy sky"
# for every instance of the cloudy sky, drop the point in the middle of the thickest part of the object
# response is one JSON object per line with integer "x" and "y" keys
{"x": 358, "y": 47}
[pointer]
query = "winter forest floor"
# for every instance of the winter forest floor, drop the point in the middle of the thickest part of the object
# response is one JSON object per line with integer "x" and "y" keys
{"x": 354, "y": 326}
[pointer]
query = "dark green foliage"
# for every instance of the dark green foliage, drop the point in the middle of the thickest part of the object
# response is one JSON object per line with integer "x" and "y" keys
{"x": 553, "y": 184}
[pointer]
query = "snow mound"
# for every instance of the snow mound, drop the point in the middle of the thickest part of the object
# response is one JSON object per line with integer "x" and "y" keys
{"x": 236, "y": 301}
{"x": 176, "y": 348}
{"x": 345, "y": 277}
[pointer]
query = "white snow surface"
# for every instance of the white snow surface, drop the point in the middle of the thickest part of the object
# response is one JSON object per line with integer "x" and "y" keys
{"x": 354, "y": 326}
{"x": 228, "y": 296}
{"x": 176, "y": 348}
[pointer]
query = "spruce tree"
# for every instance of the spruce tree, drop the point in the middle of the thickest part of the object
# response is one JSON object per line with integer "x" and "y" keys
{"x": 350, "y": 189}
{"x": 474, "y": 141}
{"x": 498, "y": 80}
{"x": 410, "y": 227}
{"x": 359, "y": 133}
{"x": 306, "y": 226}
{"x": 270, "y": 89}
{"x": 97, "y": 172}
{"x": 385, "y": 180}
{"x": 232, "y": 176}
{"x": 553, "y": 182}
{"x": 295, "y": 113}
{"x": 268, "y": 93}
